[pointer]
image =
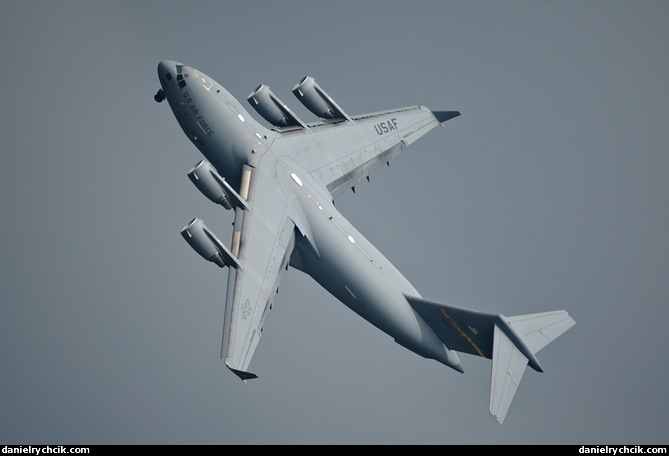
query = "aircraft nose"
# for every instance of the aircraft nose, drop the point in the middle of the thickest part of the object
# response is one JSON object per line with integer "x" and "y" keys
{"x": 166, "y": 66}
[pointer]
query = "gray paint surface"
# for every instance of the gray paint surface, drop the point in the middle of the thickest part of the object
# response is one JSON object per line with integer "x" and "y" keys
{"x": 549, "y": 192}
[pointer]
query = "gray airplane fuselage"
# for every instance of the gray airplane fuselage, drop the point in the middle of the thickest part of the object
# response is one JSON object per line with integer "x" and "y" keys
{"x": 328, "y": 247}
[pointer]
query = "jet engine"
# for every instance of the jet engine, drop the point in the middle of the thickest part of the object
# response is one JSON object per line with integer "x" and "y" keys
{"x": 317, "y": 100}
{"x": 207, "y": 245}
{"x": 271, "y": 108}
{"x": 210, "y": 183}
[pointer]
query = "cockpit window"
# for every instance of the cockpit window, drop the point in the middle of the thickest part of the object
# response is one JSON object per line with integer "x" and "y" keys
{"x": 169, "y": 76}
{"x": 180, "y": 77}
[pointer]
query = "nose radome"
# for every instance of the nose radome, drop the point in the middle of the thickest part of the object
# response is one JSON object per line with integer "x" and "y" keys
{"x": 166, "y": 66}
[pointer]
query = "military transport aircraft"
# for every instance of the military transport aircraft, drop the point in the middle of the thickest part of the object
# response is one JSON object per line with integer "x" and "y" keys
{"x": 281, "y": 183}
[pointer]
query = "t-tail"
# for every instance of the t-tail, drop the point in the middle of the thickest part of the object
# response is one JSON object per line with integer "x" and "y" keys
{"x": 511, "y": 342}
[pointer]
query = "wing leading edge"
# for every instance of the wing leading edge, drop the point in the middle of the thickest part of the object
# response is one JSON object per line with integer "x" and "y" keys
{"x": 511, "y": 342}
{"x": 265, "y": 238}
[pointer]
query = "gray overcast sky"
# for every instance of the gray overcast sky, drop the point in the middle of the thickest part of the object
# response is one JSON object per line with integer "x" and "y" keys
{"x": 549, "y": 192}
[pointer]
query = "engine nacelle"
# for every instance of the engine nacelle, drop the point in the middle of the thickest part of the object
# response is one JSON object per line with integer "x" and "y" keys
{"x": 207, "y": 245}
{"x": 271, "y": 108}
{"x": 210, "y": 183}
{"x": 317, "y": 100}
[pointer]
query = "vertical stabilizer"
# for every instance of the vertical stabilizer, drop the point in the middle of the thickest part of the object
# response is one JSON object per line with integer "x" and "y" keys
{"x": 511, "y": 342}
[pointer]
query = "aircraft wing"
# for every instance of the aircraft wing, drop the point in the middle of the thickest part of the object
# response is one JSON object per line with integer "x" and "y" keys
{"x": 265, "y": 238}
{"x": 367, "y": 142}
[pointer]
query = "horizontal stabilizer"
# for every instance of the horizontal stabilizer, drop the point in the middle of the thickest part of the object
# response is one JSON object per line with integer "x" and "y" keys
{"x": 540, "y": 329}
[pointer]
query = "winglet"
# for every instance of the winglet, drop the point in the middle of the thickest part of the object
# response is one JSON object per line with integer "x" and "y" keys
{"x": 241, "y": 374}
{"x": 443, "y": 116}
